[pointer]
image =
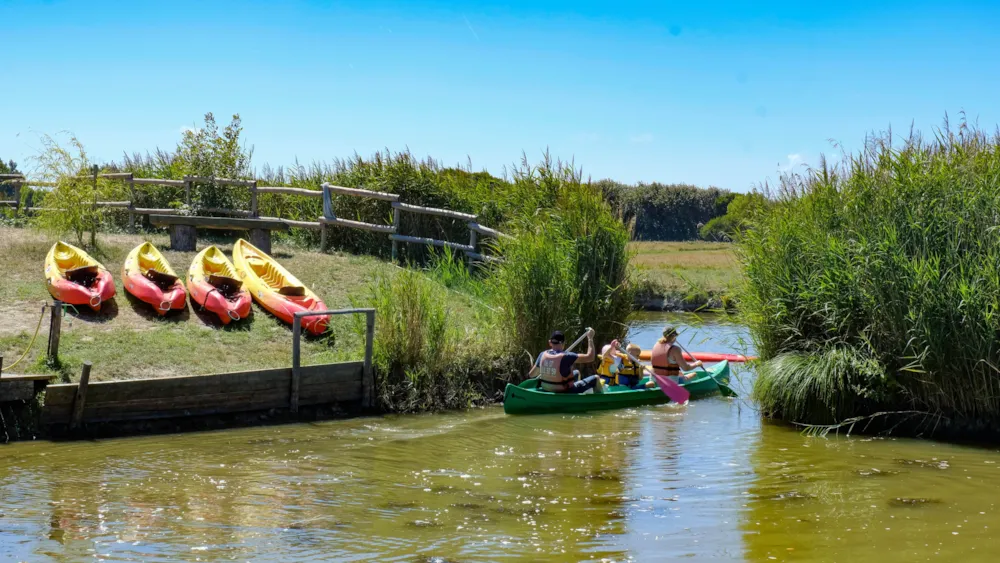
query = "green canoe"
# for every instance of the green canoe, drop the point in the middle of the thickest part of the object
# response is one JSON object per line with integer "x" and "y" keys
{"x": 526, "y": 398}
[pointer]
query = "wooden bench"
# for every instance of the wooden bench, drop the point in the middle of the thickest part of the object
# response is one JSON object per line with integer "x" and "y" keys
{"x": 184, "y": 236}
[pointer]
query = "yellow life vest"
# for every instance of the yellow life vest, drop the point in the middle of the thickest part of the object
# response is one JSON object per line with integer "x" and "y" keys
{"x": 624, "y": 367}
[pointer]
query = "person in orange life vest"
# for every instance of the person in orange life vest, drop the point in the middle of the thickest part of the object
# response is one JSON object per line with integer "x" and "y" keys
{"x": 554, "y": 367}
{"x": 667, "y": 358}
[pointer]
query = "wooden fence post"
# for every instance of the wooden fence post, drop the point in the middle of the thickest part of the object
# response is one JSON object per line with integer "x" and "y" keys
{"x": 395, "y": 224}
{"x": 253, "y": 200}
{"x": 131, "y": 203}
{"x": 367, "y": 379}
{"x": 81, "y": 397}
{"x": 93, "y": 221}
{"x": 322, "y": 237}
{"x": 187, "y": 191}
{"x": 17, "y": 198}
{"x": 55, "y": 328}
{"x": 473, "y": 239}
{"x": 293, "y": 402}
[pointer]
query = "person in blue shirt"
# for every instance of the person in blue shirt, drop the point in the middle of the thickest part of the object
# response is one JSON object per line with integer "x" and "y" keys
{"x": 554, "y": 367}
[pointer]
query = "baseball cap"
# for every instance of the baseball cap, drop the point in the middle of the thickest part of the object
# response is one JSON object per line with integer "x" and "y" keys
{"x": 557, "y": 336}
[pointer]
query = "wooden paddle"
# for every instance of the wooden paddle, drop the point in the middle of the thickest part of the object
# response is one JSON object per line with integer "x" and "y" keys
{"x": 569, "y": 349}
{"x": 669, "y": 387}
{"x": 723, "y": 388}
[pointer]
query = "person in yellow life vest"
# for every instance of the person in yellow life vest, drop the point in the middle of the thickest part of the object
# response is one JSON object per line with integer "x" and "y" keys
{"x": 554, "y": 367}
{"x": 617, "y": 369}
{"x": 667, "y": 359}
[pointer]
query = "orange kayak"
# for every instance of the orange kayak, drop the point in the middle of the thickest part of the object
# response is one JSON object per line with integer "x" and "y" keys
{"x": 74, "y": 277}
{"x": 706, "y": 357}
{"x": 275, "y": 288}
{"x": 213, "y": 285}
{"x": 148, "y": 276}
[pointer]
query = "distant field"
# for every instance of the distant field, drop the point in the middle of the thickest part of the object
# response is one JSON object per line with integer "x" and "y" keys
{"x": 683, "y": 266}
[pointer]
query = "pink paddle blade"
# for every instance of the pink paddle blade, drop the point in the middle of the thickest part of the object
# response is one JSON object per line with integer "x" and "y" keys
{"x": 671, "y": 389}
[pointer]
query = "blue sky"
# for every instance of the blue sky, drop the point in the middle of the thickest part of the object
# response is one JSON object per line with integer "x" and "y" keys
{"x": 710, "y": 93}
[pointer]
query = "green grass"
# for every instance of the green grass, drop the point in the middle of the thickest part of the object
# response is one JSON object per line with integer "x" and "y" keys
{"x": 683, "y": 267}
{"x": 127, "y": 340}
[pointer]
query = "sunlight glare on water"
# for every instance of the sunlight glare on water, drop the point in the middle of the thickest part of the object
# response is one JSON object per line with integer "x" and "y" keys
{"x": 706, "y": 480}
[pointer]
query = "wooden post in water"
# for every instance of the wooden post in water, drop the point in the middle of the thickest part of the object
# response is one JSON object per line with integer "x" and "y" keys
{"x": 367, "y": 379}
{"x": 293, "y": 402}
{"x": 1, "y": 365}
{"x": 81, "y": 397}
{"x": 55, "y": 328}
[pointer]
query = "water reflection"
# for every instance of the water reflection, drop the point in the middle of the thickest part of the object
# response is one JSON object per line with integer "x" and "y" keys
{"x": 706, "y": 480}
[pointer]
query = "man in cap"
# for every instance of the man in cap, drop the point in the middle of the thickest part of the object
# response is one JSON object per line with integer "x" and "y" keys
{"x": 554, "y": 367}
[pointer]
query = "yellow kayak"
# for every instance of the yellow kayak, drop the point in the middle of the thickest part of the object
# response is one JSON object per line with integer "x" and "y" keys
{"x": 213, "y": 284}
{"x": 275, "y": 288}
{"x": 74, "y": 277}
{"x": 148, "y": 276}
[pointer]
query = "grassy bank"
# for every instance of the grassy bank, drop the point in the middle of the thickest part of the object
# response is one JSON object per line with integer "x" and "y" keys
{"x": 874, "y": 286}
{"x": 685, "y": 275}
{"x": 126, "y": 340}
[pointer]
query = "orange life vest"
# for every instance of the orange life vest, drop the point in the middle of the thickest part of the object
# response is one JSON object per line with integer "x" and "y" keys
{"x": 660, "y": 360}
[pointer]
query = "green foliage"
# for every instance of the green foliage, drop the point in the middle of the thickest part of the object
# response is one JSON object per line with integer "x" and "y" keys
{"x": 876, "y": 284}
{"x": 665, "y": 211}
{"x": 69, "y": 205}
{"x": 739, "y": 211}
{"x": 425, "y": 360}
{"x": 567, "y": 268}
{"x": 9, "y": 167}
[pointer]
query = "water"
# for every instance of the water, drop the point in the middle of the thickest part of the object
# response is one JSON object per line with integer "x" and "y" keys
{"x": 651, "y": 484}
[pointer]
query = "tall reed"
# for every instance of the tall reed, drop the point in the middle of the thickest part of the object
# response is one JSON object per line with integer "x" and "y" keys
{"x": 874, "y": 285}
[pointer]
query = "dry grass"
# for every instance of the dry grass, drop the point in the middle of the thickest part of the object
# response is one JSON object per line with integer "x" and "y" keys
{"x": 683, "y": 266}
{"x": 127, "y": 340}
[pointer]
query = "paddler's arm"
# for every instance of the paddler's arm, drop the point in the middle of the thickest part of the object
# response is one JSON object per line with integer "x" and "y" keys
{"x": 678, "y": 357}
{"x": 534, "y": 367}
{"x": 589, "y": 356}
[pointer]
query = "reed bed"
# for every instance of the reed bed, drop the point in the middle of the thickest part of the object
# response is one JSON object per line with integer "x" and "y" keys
{"x": 874, "y": 285}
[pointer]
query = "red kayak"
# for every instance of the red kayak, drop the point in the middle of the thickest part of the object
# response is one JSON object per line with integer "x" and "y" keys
{"x": 706, "y": 357}
{"x": 149, "y": 277}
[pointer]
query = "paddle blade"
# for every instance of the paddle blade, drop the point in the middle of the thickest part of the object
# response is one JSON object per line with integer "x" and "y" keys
{"x": 672, "y": 389}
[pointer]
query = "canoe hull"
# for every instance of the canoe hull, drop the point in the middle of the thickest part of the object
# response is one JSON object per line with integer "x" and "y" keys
{"x": 162, "y": 300}
{"x": 207, "y": 296}
{"x": 62, "y": 257}
{"x": 705, "y": 357}
{"x": 528, "y": 400}
{"x": 245, "y": 255}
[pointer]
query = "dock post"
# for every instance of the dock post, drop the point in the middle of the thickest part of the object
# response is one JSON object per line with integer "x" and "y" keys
{"x": 81, "y": 397}
{"x": 296, "y": 369}
{"x": 367, "y": 380}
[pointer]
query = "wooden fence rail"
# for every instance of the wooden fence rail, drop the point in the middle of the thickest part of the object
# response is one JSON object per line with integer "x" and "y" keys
{"x": 325, "y": 192}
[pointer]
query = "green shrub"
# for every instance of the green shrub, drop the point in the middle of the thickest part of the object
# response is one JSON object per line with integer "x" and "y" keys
{"x": 875, "y": 285}
{"x": 567, "y": 268}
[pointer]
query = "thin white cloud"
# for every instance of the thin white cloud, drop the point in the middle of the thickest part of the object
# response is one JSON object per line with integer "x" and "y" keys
{"x": 641, "y": 139}
{"x": 185, "y": 128}
{"x": 793, "y": 161}
{"x": 469, "y": 25}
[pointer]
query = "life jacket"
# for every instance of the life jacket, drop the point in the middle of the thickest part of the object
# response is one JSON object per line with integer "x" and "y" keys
{"x": 625, "y": 368}
{"x": 659, "y": 360}
{"x": 549, "y": 375}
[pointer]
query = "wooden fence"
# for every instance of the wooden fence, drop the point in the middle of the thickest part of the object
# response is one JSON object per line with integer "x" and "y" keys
{"x": 326, "y": 192}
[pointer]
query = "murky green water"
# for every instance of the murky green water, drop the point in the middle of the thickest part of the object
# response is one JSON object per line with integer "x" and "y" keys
{"x": 651, "y": 484}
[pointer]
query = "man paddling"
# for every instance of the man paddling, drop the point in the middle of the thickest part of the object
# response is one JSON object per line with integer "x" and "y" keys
{"x": 554, "y": 367}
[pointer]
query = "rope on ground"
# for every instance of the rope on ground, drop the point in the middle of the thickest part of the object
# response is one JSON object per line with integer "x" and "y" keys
{"x": 32, "y": 343}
